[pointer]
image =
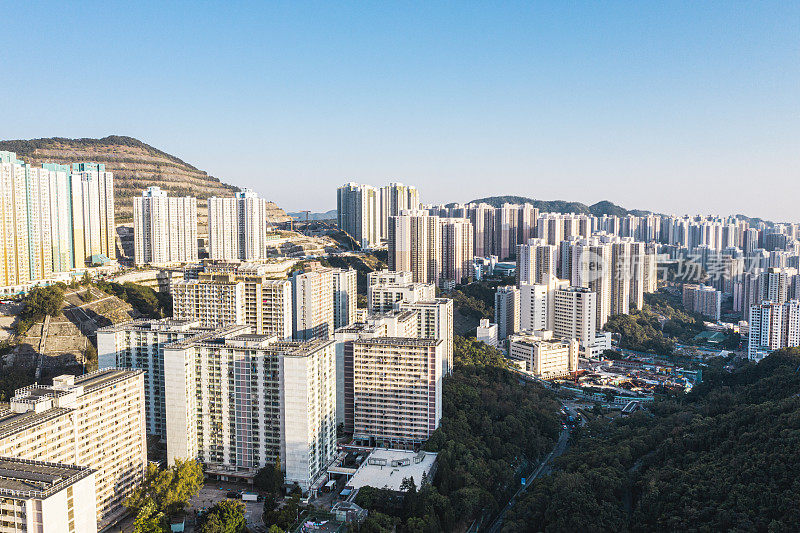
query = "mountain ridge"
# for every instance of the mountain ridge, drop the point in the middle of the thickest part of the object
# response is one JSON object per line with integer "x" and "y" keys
{"x": 136, "y": 165}
{"x": 603, "y": 207}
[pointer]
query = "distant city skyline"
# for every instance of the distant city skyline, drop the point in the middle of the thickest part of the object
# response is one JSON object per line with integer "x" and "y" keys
{"x": 678, "y": 108}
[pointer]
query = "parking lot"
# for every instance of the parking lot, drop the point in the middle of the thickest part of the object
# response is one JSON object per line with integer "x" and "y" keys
{"x": 213, "y": 492}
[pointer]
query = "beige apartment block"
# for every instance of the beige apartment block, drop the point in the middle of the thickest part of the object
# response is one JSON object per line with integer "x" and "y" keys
{"x": 95, "y": 421}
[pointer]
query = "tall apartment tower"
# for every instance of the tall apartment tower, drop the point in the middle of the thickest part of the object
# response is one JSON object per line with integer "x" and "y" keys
{"x": 394, "y": 199}
{"x": 506, "y": 311}
{"x": 53, "y": 218}
{"x": 139, "y": 345}
{"x": 261, "y": 302}
{"x": 393, "y": 390}
{"x": 357, "y": 210}
{"x": 537, "y": 304}
{"x": 773, "y": 326}
{"x": 14, "y": 255}
{"x": 389, "y": 324}
{"x": 435, "y": 321}
{"x": 238, "y": 401}
{"x": 164, "y": 228}
{"x": 95, "y": 421}
{"x": 415, "y": 245}
{"x": 457, "y": 249}
{"x": 238, "y": 227}
{"x": 574, "y": 314}
{"x": 536, "y": 262}
{"x": 312, "y": 293}
{"x": 386, "y": 289}
{"x": 592, "y": 268}
{"x": 97, "y": 208}
{"x": 215, "y": 303}
{"x": 702, "y": 299}
{"x": 345, "y": 294}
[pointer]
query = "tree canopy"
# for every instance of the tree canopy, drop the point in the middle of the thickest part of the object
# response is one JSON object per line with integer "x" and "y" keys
{"x": 165, "y": 492}
{"x": 722, "y": 458}
{"x": 226, "y": 516}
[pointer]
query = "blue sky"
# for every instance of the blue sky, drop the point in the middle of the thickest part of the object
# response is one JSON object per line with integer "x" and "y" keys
{"x": 678, "y": 107}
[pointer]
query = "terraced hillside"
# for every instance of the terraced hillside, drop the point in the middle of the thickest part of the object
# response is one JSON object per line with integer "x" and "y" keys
{"x": 135, "y": 165}
{"x": 61, "y": 341}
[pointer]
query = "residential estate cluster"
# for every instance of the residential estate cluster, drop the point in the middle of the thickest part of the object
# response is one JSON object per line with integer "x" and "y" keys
{"x": 53, "y": 219}
{"x": 252, "y": 369}
{"x": 259, "y": 365}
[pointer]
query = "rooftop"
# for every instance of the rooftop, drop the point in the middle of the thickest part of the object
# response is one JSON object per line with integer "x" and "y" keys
{"x": 405, "y": 341}
{"x": 20, "y": 478}
{"x": 385, "y": 468}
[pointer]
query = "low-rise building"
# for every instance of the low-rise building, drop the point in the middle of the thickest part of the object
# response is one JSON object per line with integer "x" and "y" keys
{"x": 487, "y": 333}
{"x": 544, "y": 356}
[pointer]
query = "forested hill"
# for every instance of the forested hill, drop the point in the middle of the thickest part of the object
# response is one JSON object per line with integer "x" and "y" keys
{"x": 724, "y": 458}
{"x": 560, "y": 206}
{"x": 135, "y": 165}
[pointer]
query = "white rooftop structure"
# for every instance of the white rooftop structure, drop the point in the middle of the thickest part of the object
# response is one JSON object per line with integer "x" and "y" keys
{"x": 385, "y": 468}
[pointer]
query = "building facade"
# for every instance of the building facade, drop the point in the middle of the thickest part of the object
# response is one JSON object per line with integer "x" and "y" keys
{"x": 96, "y": 420}
{"x": 238, "y": 401}
{"x": 164, "y": 228}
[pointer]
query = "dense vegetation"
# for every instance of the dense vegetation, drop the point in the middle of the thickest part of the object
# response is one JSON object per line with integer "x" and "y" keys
{"x": 493, "y": 428}
{"x": 14, "y": 378}
{"x": 38, "y": 303}
{"x": 226, "y": 516}
{"x": 150, "y": 303}
{"x": 722, "y": 458}
{"x": 164, "y": 493}
{"x": 656, "y": 327}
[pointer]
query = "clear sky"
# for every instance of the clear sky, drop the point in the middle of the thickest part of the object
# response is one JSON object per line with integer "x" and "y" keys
{"x": 677, "y": 107}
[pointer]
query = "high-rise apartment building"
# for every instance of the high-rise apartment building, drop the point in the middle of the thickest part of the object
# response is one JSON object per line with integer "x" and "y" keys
{"x": 393, "y": 390}
{"x": 537, "y": 304}
{"x": 53, "y": 219}
{"x": 139, "y": 345}
{"x": 236, "y": 293}
{"x": 574, "y": 314}
{"x": 215, "y": 303}
{"x": 435, "y": 321}
{"x": 313, "y": 296}
{"x": 536, "y": 262}
{"x": 415, "y": 245}
{"x": 238, "y": 226}
{"x": 164, "y": 228}
{"x": 40, "y": 496}
{"x": 345, "y": 294}
{"x": 702, "y": 299}
{"x": 507, "y": 311}
{"x": 390, "y": 324}
{"x": 96, "y": 421}
{"x": 239, "y": 401}
{"x": 457, "y": 249}
{"x": 97, "y": 210}
{"x": 773, "y": 326}
{"x": 358, "y": 211}
{"x": 394, "y": 199}
{"x": 385, "y": 289}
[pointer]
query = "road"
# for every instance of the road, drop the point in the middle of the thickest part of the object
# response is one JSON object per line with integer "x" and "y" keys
{"x": 544, "y": 468}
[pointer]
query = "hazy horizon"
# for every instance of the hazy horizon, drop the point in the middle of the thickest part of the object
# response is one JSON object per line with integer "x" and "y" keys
{"x": 679, "y": 108}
